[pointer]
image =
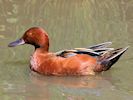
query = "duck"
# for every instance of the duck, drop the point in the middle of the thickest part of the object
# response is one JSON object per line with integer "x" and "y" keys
{"x": 76, "y": 62}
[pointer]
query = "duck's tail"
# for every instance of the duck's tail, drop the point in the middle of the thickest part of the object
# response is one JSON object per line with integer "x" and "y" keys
{"x": 109, "y": 58}
{"x": 101, "y": 45}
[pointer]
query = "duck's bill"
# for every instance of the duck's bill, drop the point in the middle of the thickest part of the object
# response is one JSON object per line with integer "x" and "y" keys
{"x": 16, "y": 43}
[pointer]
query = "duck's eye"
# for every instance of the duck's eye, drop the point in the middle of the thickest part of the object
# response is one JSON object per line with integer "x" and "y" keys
{"x": 30, "y": 34}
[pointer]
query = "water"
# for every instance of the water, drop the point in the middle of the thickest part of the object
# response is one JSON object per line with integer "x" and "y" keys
{"x": 69, "y": 23}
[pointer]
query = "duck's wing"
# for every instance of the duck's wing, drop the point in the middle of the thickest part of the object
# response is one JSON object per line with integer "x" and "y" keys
{"x": 95, "y": 50}
{"x": 65, "y": 53}
{"x": 98, "y": 48}
{"x": 73, "y": 52}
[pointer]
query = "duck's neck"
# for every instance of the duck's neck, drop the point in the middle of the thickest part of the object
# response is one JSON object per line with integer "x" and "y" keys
{"x": 42, "y": 49}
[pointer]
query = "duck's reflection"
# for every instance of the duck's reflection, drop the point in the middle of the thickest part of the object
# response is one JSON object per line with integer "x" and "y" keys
{"x": 49, "y": 87}
{"x": 71, "y": 81}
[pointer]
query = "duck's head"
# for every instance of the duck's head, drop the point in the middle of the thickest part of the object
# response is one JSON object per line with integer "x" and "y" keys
{"x": 35, "y": 36}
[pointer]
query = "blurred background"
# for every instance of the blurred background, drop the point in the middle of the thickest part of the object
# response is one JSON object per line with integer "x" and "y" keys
{"x": 70, "y": 24}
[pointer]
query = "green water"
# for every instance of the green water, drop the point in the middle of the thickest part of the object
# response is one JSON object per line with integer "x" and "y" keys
{"x": 69, "y": 23}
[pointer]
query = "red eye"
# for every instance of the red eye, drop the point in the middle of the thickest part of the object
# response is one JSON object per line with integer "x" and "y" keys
{"x": 30, "y": 34}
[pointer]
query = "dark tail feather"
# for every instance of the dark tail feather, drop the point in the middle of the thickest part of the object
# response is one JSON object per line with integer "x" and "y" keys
{"x": 101, "y": 48}
{"x": 111, "y": 57}
{"x": 101, "y": 45}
